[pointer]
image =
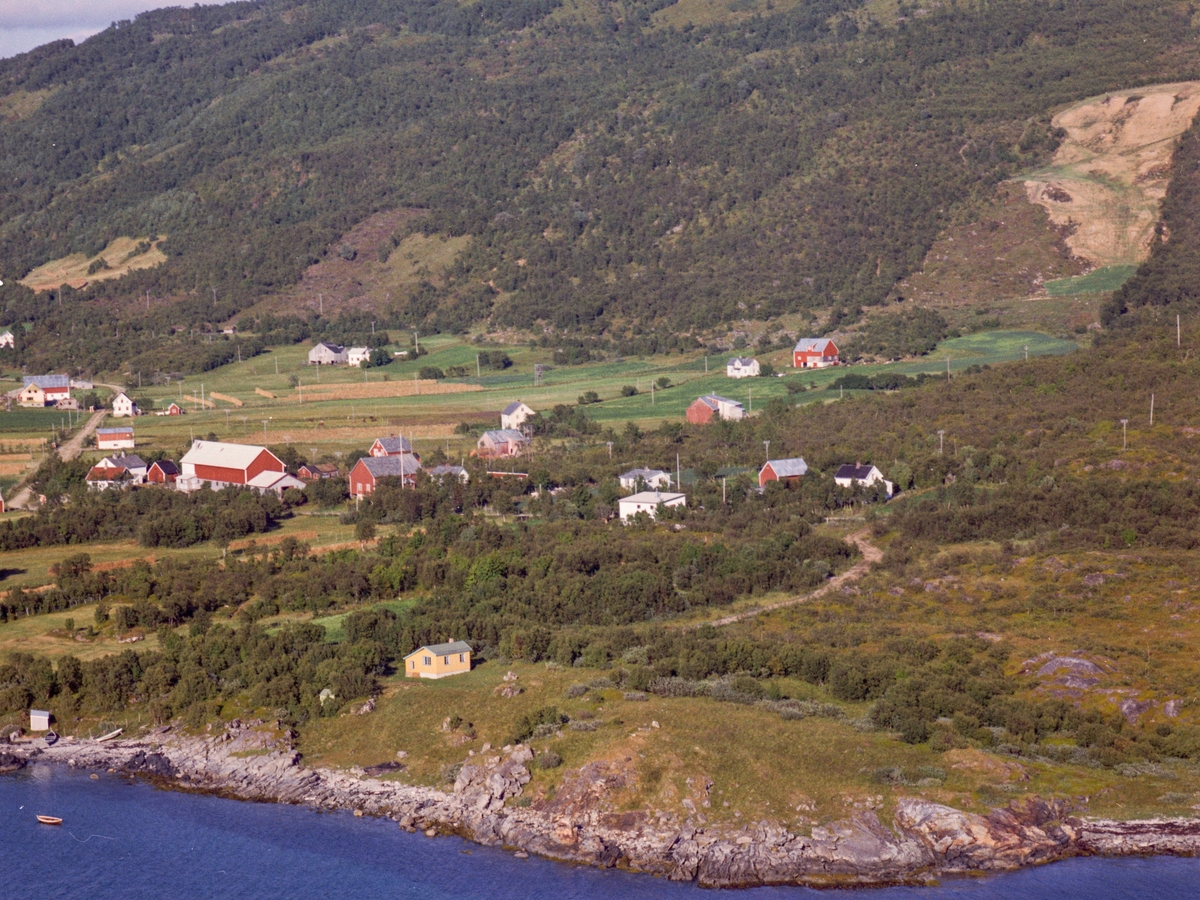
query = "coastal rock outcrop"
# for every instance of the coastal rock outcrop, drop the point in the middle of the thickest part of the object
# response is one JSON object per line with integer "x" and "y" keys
{"x": 256, "y": 761}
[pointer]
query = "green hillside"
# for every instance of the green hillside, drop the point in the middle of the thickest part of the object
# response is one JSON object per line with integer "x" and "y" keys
{"x": 619, "y": 168}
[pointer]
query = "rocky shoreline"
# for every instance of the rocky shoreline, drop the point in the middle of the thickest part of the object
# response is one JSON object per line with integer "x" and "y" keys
{"x": 924, "y": 841}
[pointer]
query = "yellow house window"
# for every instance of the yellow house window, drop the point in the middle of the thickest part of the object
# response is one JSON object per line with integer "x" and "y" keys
{"x": 428, "y": 661}
{"x": 413, "y": 664}
{"x": 460, "y": 658}
{"x": 445, "y": 660}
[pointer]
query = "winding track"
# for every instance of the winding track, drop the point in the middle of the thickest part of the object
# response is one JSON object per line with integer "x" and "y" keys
{"x": 67, "y": 451}
{"x": 870, "y": 556}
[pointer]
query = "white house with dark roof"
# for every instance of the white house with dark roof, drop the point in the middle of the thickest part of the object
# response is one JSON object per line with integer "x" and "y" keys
{"x": 327, "y": 354}
{"x": 441, "y": 473}
{"x": 782, "y": 470}
{"x": 651, "y": 479}
{"x": 858, "y": 475}
{"x": 123, "y": 406}
{"x": 742, "y": 367}
{"x": 648, "y": 502}
{"x": 515, "y": 415}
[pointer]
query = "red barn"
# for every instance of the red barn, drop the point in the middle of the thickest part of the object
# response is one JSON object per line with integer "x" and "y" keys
{"x": 782, "y": 470}
{"x": 814, "y": 353}
{"x": 219, "y": 464}
{"x": 365, "y": 475}
{"x": 704, "y": 409}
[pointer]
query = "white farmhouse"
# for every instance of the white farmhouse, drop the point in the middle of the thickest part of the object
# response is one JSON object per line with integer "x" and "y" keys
{"x": 356, "y": 356}
{"x": 123, "y": 406}
{"x": 648, "y": 502}
{"x": 514, "y": 415}
{"x": 742, "y": 367}
{"x": 858, "y": 475}
{"x": 6, "y": 338}
{"x": 653, "y": 479}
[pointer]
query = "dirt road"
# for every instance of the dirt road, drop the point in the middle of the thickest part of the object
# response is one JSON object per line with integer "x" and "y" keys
{"x": 870, "y": 556}
{"x": 67, "y": 452}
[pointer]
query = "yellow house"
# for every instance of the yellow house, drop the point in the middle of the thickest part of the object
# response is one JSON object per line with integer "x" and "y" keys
{"x": 438, "y": 660}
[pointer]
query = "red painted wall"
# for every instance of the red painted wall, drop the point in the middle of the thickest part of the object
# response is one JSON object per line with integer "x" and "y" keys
{"x": 700, "y": 413}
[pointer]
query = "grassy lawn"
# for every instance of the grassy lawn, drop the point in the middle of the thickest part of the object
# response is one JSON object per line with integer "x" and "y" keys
{"x": 1108, "y": 278}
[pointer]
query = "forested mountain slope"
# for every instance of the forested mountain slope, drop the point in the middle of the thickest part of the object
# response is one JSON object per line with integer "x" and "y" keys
{"x": 610, "y": 169}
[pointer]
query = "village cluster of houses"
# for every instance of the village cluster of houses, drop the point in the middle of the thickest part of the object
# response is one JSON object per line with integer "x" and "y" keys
{"x": 651, "y": 486}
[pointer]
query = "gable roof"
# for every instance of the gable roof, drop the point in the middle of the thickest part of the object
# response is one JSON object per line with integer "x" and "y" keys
{"x": 130, "y": 461}
{"x": 741, "y": 361}
{"x": 165, "y": 466}
{"x": 513, "y": 407}
{"x": 712, "y": 401}
{"x": 394, "y": 444}
{"x": 654, "y": 497}
{"x": 336, "y": 348}
{"x": 105, "y": 473}
{"x": 504, "y": 436}
{"x": 116, "y": 429}
{"x": 324, "y": 468}
{"x": 859, "y": 473}
{"x": 390, "y": 466}
{"x": 271, "y": 479}
{"x": 812, "y": 345}
{"x": 439, "y": 471}
{"x": 444, "y": 649}
{"x": 219, "y": 453}
{"x": 788, "y": 468}
{"x": 647, "y": 474}
{"x": 48, "y": 381}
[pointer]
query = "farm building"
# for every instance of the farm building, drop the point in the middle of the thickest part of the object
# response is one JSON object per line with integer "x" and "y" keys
{"x": 365, "y": 475}
{"x": 116, "y": 471}
{"x": 356, "y": 356}
{"x": 173, "y": 410}
{"x": 218, "y": 464}
{"x": 39, "y": 720}
{"x": 704, "y": 409}
{"x": 326, "y": 354}
{"x": 648, "y": 502}
{"x": 441, "y": 473}
{"x": 652, "y": 479}
{"x": 814, "y": 353}
{"x": 782, "y": 470}
{"x": 123, "y": 406}
{"x": 504, "y": 442}
{"x": 44, "y": 390}
{"x": 275, "y": 482}
{"x": 6, "y": 338}
{"x": 317, "y": 471}
{"x": 162, "y": 472}
{"x": 119, "y": 437}
{"x": 742, "y": 367}
{"x": 858, "y": 475}
{"x": 135, "y": 465}
{"x": 390, "y": 446}
{"x": 438, "y": 660}
{"x": 514, "y": 415}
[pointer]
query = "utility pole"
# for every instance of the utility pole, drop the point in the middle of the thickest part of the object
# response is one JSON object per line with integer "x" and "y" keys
{"x": 610, "y": 443}
{"x": 1124, "y": 434}
{"x": 477, "y": 372}
{"x": 321, "y": 302}
{"x": 767, "y": 447}
{"x": 264, "y": 430}
{"x": 1178, "y": 333}
{"x": 751, "y": 412}
{"x": 652, "y": 393}
{"x": 277, "y": 365}
{"x": 706, "y": 365}
{"x": 1151, "y": 410}
{"x": 948, "y": 367}
{"x": 723, "y": 480}
{"x": 941, "y": 441}
{"x": 1027, "y": 352}
{"x": 678, "y": 473}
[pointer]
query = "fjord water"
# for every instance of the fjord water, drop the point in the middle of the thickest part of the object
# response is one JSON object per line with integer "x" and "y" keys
{"x": 127, "y": 840}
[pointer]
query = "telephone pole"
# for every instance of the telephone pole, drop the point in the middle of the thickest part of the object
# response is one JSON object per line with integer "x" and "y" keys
{"x": 1124, "y": 434}
{"x": 941, "y": 441}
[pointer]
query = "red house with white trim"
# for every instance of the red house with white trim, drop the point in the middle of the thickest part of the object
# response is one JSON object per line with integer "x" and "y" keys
{"x": 219, "y": 465}
{"x": 365, "y": 475}
{"x": 814, "y": 353}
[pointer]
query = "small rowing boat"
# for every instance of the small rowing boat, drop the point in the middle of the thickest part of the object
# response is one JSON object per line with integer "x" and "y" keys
{"x": 109, "y": 736}
{"x": 49, "y": 820}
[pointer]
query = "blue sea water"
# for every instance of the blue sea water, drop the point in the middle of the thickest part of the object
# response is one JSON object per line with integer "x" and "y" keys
{"x": 127, "y": 840}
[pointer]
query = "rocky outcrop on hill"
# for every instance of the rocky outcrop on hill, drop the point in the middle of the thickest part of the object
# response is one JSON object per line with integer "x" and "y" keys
{"x": 256, "y": 761}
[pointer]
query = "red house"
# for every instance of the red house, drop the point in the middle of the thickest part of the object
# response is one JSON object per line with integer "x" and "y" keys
{"x": 219, "y": 465}
{"x": 317, "y": 471}
{"x": 814, "y": 353}
{"x": 390, "y": 446}
{"x": 163, "y": 472}
{"x": 782, "y": 470}
{"x": 712, "y": 406}
{"x": 365, "y": 475}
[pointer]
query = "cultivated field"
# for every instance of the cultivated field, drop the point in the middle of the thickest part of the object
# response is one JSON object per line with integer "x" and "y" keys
{"x": 120, "y": 257}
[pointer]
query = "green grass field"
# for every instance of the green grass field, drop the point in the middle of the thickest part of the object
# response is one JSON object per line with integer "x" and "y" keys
{"x": 1098, "y": 281}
